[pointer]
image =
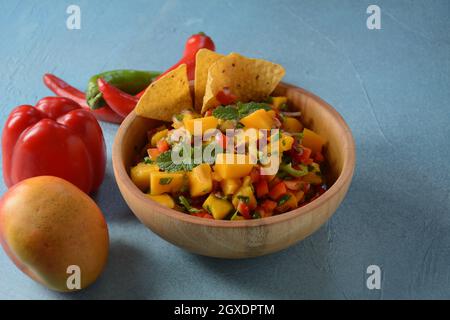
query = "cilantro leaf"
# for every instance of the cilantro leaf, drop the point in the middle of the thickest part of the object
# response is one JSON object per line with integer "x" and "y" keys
{"x": 185, "y": 203}
{"x": 284, "y": 199}
{"x": 165, "y": 181}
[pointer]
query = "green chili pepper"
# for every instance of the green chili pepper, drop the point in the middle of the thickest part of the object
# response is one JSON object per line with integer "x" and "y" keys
{"x": 130, "y": 81}
{"x": 294, "y": 172}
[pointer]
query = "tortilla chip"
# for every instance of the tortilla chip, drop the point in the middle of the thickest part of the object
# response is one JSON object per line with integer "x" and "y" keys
{"x": 167, "y": 96}
{"x": 248, "y": 79}
{"x": 203, "y": 60}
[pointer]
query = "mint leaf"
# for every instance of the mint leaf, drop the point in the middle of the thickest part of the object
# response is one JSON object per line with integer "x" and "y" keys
{"x": 226, "y": 113}
{"x": 185, "y": 203}
{"x": 244, "y": 109}
{"x": 165, "y": 163}
{"x": 147, "y": 160}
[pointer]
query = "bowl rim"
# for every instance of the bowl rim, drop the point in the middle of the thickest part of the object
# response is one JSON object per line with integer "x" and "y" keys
{"x": 346, "y": 174}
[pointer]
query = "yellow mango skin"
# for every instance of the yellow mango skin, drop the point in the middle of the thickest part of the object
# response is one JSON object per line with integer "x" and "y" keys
{"x": 206, "y": 123}
{"x": 219, "y": 208}
{"x": 292, "y": 125}
{"x": 158, "y": 136}
{"x": 277, "y": 102}
{"x": 200, "y": 180}
{"x": 163, "y": 199}
{"x": 235, "y": 169}
{"x": 245, "y": 191}
{"x": 156, "y": 188}
{"x": 312, "y": 140}
{"x": 140, "y": 174}
{"x": 46, "y": 225}
{"x": 260, "y": 119}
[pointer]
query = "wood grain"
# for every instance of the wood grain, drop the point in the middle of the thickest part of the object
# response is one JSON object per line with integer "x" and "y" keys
{"x": 242, "y": 239}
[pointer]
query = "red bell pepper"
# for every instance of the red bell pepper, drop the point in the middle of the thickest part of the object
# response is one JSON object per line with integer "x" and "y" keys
{"x": 226, "y": 97}
{"x": 63, "y": 89}
{"x": 244, "y": 210}
{"x": 56, "y": 137}
{"x": 277, "y": 191}
{"x": 262, "y": 188}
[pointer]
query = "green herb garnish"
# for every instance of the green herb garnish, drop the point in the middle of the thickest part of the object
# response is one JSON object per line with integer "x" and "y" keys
{"x": 185, "y": 203}
{"x": 238, "y": 111}
{"x": 147, "y": 160}
{"x": 284, "y": 199}
{"x": 165, "y": 181}
{"x": 244, "y": 199}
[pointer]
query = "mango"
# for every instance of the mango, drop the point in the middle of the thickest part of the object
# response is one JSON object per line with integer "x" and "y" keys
{"x": 292, "y": 125}
{"x": 260, "y": 119}
{"x": 200, "y": 180}
{"x": 165, "y": 182}
{"x": 289, "y": 204}
{"x": 163, "y": 199}
{"x": 158, "y": 136}
{"x": 53, "y": 231}
{"x": 140, "y": 174}
{"x": 206, "y": 124}
{"x": 230, "y": 186}
{"x": 312, "y": 140}
{"x": 277, "y": 102}
{"x": 219, "y": 208}
{"x": 239, "y": 167}
{"x": 245, "y": 194}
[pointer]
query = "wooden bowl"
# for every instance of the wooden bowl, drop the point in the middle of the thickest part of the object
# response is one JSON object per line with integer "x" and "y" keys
{"x": 251, "y": 238}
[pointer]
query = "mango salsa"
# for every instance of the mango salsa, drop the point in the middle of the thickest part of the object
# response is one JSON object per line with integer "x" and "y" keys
{"x": 206, "y": 124}
{"x": 277, "y": 102}
{"x": 230, "y": 186}
{"x": 240, "y": 166}
{"x": 245, "y": 194}
{"x": 292, "y": 125}
{"x": 158, "y": 136}
{"x": 163, "y": 199}
{"x": 200, "y": 180}
{"x": 312, "y": 140}
{"x": 166, "y": 182}
{"x": 260, "y": 119}
{"x": 140, "y": 174}
{"x": 219, "y": 208}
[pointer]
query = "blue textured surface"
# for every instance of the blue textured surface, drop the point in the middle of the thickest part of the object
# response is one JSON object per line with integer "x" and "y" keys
{"x": 392, "y": 86}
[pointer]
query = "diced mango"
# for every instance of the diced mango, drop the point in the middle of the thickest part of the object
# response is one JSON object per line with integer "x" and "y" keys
{"x": 315, "y": 176}
{"x": 230, "y": 186}
{"x": 206, "y": 124}
{"x": 245, "y": 194}
{"x": 158, "y": 136}
{"x": 260, "y": 119}
{"x": 240, "y": 166}
{"x": 140, "y": 174}
{"x": 200, "y": 180}
{"x": 165, "y": 182}
{"x": 163, "y": 199}
{"x": 286, "y": 142}
{"x": 312, "y": 140}
{"x": 277, "y": 102}
{"x": 219, "y": 208}
{"x": 292, "y": 125}
{"x": 289, "y": 204}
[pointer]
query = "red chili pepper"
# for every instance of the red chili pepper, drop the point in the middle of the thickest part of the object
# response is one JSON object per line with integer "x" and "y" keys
{"x": 122, "y": 103}
{"x": 244, "y": 210}
{"x": 63, "y": 89}
{"x": 194, "y": 43}
{"x": 56, "y": 137}
{"x": 225, "y": 97}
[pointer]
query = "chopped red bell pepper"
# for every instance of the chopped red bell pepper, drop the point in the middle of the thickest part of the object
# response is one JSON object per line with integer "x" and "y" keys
{"x": 202, "y": 215}
{"x": 56, "y": 137}
{"x": 269, "y": 205}
{"x": 162, "y": 145}
{"x": 262, "y": 188}
{"x": 277, "y": 191}
{"x": 319, "y": 157}
{"x": 244, "y": 210}
{"x": 255, "y": 175}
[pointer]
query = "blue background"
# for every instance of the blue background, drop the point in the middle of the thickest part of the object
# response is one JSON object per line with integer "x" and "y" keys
{"x": 390, "y": 85}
